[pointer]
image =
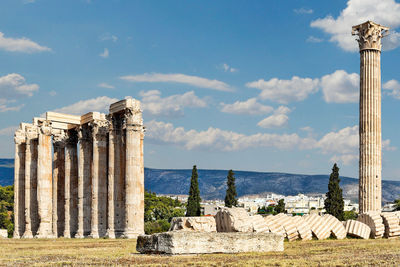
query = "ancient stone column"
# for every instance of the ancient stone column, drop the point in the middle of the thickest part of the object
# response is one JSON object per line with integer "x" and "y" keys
{"x": 58, "y": 183}
{"x": 134, "y": 187}
{"x": 99, "y": 179}
{"x": 44, "y": 187}
{"x": 19, "y": 181}
{"x": 370, "y": 164}
{"x": 71, "y": 181}
{"x": 30, "y": 175}
{"x": 111, "y": 177}
{"x": 84, "y": 181}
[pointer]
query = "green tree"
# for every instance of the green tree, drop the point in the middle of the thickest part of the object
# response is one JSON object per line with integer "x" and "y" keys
{"x": 193, "y": 204}
{"x": 280, "y": 208}
{"x": 230, "y": 197}
{"x": 334, "y": 203}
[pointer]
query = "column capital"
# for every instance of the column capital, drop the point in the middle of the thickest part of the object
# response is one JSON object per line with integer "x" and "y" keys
{"x": 71, "y": 137}
{"x": 133, "y": 119}
{"x": 19, "y": 137}
{"x": 59, "y": 138}
{"x": 100, "y": 129}
{"x": 84, "y": 133}
{"x": 369, "y": 35}
{"x": 45, "y": 128}
{"x": 31, "y": 133}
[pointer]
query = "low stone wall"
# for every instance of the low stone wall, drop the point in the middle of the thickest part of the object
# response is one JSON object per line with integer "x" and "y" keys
{"x": 191, "y": 242}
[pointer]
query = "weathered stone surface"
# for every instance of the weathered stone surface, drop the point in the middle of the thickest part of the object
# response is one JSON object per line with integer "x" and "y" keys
{"x": 259, "y": 224}
{"x": 336, "y": 227}
{"x": 3, "y": 233}
{"x": 357, "y": 229}
{"x": 318, "y": 226}
{"x": 374, "y": 220}
{"x": 289, "y": 226}
{"x": 391, "y": 222}
{"x": 233, "y": 220}
{"x": 180, "y": 242}
{"x": 204, "y": 224}
{"x": 302, "y": 227}
{"x": 274, "y": 226}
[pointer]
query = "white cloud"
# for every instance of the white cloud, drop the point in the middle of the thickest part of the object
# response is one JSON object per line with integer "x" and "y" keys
{"x": 303, "y": 10}
{"x": 276, "y": 120}
{"x": 100, "y": 104}
{"x": 52, "y": 93}
{"x": 221, "y": 140}
{"x": 228, "y": 68}
{"x": 4, "y": 105}
{"x": 179, "y": 78}
{"x": 313, "y": 39}
{"x": 385, "y": 12}
{"x": 285, "y": 91}
{"x": 23, "y": 45}
{"x": 9, "y": 131}
{"x": 106, "y": 85}
{"x": 171, "y": 106}
{"x": 108, "y": 37}
{"x": 249, "y": 107}
{"x": 105, "y": 53}
{"x": 346, "y": 159}
{"x": 393, "y": 86}
{"x": 14, "y": 86}
{"x": 341, "y": 87}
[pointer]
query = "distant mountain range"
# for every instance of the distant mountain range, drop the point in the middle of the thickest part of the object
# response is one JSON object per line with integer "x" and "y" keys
{"x": 212, "y": 183}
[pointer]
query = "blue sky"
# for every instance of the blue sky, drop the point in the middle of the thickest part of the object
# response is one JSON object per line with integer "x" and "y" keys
{"x": 247, "y": 85}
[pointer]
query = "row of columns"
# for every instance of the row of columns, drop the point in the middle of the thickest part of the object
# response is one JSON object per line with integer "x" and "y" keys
{"x": 89, "y": 184}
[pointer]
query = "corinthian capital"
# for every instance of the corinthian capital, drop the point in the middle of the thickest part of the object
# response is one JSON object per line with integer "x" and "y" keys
{"x": 370, "y": 35}
{"x": 19, "y": 137}
{"x": 45, "y": 128}
{"x": 59, "y": 138}
{"x": 99, "y": 129}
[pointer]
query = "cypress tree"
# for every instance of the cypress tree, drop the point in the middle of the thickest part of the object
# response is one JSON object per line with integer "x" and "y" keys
{"x": 230, "y": 197}
{"x": 334, "y": 203}
{"x": 193, "y": 204}
{"x": 280, "y": 208}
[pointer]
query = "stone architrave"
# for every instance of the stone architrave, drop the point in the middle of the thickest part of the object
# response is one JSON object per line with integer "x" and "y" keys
{"x": 30, "y": 176}
{"x": 58, "y": 183}
{"x": 71, "y": 184}
{"x": 134, "y": 183}
{"x": 370, "y": 164}
{"x": 19, "y": 177}
{"x": 84, "y": 181}
{"x": 44, "y": 187}
{"x": 99, "y": 179}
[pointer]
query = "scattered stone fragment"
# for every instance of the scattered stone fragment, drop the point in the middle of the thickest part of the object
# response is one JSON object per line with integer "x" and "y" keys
{"x": 303, "y": 228}
{"x": 357, "y": 229}
{"x": 204, "y": 224}
{"x": 288, "y": 225}
{"x": 274, "y": 226}
{"x": 391, "y": 222}
{"x": 191, "y": 242}
{"x": 336, "y": 227}
{"x": 318, "y": 226}
{"x": 374, "y": 220}
{"x": 233, "y": 220}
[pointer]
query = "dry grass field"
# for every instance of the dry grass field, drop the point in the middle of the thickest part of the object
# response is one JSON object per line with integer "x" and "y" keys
{"x": 107, "y": 252}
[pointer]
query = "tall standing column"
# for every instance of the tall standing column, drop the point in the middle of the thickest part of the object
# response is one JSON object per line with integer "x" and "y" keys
{"x": 99, "y": 179}
{"x": 84, "y": 181}
{"x": 370, "y": 164}
{"x": 58, "y": 198}
{"x": 30, "y": 175}
{"x": 44, "y": 187}
{"x": 19, "y": 177}
{"x": 134, "y": 187}
{"x": 111, "y": 178}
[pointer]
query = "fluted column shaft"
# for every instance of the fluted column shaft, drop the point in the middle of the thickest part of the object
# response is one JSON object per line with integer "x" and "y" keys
{"x": 19, "y": 180}
{"x": 30, "y": 173}
{"x": 84, "y": 182}
{"x": 44, "y": 187}
{"x": 111, "y": 179}
{"x": 134, "y": 187}
{"x": 58, "y": 185}
{"x": 370, "y": 131}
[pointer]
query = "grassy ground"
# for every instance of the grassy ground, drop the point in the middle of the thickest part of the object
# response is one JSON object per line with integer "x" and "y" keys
{"x": 65, "y": 252}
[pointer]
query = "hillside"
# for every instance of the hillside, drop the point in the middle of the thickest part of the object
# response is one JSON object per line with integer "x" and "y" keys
{"x": 213, "y": 183}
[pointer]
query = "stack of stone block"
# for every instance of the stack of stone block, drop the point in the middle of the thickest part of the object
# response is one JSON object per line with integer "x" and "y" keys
{"x": 337, "y": 228}
{"x": 357, "y": 229}
{"x": 302, "y": 228}
{"x": 391, "y": 222}
{"x": 374, "y": 220}
{"x": 288, "y": 224}
{"x": 318, "y": 226}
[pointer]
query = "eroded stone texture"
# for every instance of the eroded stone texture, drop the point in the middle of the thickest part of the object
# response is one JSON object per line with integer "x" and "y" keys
{"x": 318, "y": 225}
{"x": 289, "y": 226}
{"x": 302, "y": 227}
{"x": 259, "y": 224}
{"x": 274, "y": 225}
{"x": 357, "y": 229}
{"x": 233, "y": 220}
{"x": 19, "y": 182}
{"x": 391, "y": 222}
{"x": 336, "y": 227}
{"x": 374, "y": 220}
{"x": 180, "y": 242}
{"x": 203, "y": 224}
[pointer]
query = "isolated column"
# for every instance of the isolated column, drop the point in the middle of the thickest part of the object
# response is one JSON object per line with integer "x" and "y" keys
{"x": 44, "y": 187}
{"x": 370, "y": 164}
{"x": 19, "y": 177}
{"x": 134, "y": 187}
{"x": 111, "y": 178}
